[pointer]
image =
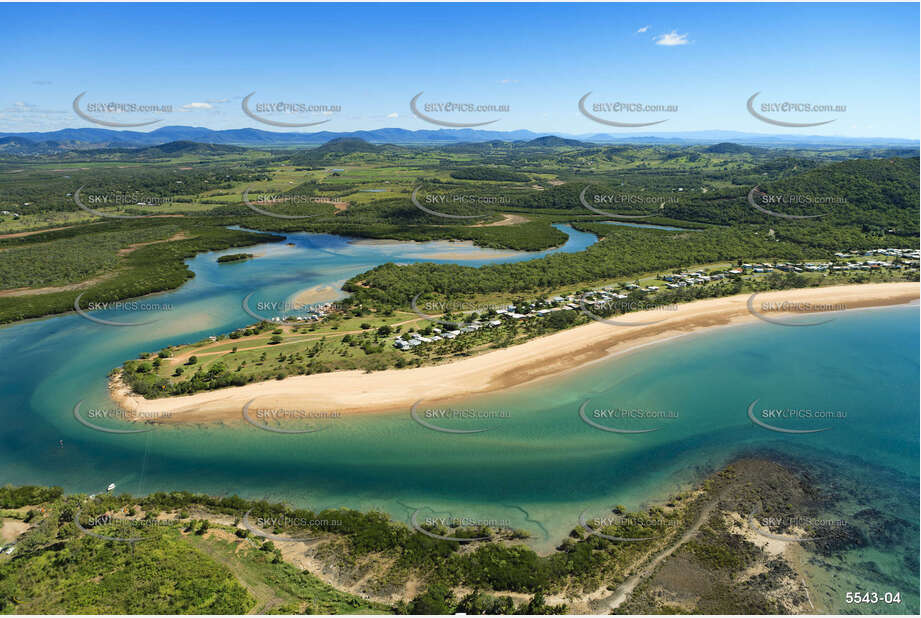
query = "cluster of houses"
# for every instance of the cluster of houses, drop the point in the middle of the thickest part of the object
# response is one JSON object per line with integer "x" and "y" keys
{"x": 315, "y": 314}
{"x": 690, "y": 278}
{"x": 510, "y": 313}
{"x": 905, "y": 254}
{"x": 438, "y": 334}
{"x": 828, "y": 266}
{"x": 535, "y": 309}
{"x": 908, "y": 257}
{"x": 608, "y": 294}
{"x": 602, "y": 296}
{"x": 813, "y": 267}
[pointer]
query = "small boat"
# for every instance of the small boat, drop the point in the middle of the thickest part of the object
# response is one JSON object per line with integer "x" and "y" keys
{"x": 110, "y": 487}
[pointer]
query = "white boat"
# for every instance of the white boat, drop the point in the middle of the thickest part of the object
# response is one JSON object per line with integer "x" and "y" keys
{"x": 110, "y": 487}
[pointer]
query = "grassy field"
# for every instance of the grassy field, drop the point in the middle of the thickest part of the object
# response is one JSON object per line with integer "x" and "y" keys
{"x": 202, "y": 190}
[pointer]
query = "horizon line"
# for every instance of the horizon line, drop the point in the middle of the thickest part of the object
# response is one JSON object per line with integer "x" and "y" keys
{"x": 561, "y": 134}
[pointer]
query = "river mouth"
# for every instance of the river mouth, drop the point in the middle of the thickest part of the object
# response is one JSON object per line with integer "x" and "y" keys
{"x": 537, "y": 467}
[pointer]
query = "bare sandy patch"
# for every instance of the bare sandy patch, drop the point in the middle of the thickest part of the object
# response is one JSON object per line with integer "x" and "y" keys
{"x": 318, "y": 294}
{"x": 11, "y": 529}
{"x": 138, "y": 245}
{"x": 507, "y": 219}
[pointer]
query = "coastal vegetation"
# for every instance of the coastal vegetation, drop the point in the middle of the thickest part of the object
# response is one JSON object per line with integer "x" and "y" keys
{"x": 209, "y": 557}
{"x": 357, "y": 336}
{"x": 191, "y": 200}
{"x": 234, "y": 257}
{"x": 188, "y": 194}
{"x": 107, "y": 262}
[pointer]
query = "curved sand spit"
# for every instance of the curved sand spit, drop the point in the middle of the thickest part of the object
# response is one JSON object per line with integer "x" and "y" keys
{"x": 359, "y": 392}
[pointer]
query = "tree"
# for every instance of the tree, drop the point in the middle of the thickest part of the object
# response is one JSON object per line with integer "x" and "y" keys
{"x": 437, "y": 599}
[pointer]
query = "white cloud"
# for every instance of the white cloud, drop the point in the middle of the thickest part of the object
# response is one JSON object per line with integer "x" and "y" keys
{"x": 199, "y": 105}
{"x": 508, "y": 81}
{"x": 643, "y": 29}
{"x": 21, "y": 107}
{"x": 393, "y": 115}
{"x": 671, "y": 39}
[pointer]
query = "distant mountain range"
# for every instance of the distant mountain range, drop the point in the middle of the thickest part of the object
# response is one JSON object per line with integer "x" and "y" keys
{"x": 92, "y": 138}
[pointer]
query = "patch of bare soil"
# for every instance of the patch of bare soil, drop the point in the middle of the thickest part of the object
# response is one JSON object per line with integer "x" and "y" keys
{"x": 506, "y": 220}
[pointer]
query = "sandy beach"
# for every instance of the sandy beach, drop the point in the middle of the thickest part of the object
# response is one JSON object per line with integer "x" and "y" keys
{"x": 318, "y": 294}
{"x": 442, "y": 249}
{"x": 351, "y": 392}
{"x": 450, "y": 255}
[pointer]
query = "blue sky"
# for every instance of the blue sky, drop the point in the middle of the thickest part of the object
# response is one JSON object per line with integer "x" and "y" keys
{"x": 538, "y": 59}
